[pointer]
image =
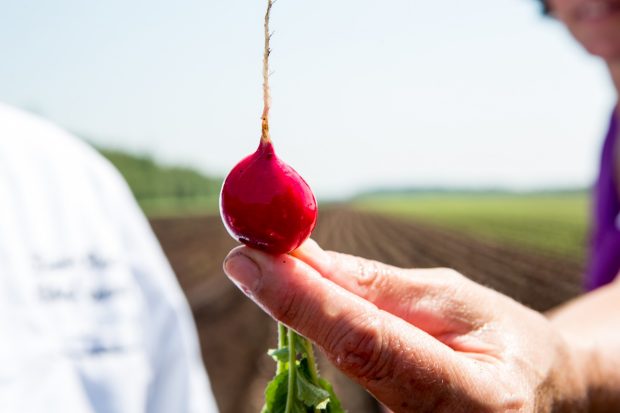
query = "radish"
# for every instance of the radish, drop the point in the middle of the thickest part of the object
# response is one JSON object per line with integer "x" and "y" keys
{"x": 267, "y": 205}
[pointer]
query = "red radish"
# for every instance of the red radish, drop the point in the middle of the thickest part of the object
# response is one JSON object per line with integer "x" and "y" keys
{"x": 265, "y": 203}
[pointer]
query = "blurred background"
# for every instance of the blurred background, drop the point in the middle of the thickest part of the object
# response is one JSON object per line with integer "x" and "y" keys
{"x": 461, "y": 134}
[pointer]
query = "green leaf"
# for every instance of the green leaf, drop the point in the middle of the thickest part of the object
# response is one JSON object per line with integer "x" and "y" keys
{"x": 275, "y": 394}
{"x": 311, "y": 395}
{"x": 304, "y": 367}
{"x": 301, "y": 344}
{"x": 298, "y": 407}
{"x": 307, "y": 397}
{"x": 280, "y": 354}
{"x": 334, "y": 405}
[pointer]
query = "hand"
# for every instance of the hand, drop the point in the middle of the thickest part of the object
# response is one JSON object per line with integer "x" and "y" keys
{"x": 420, "y": 340}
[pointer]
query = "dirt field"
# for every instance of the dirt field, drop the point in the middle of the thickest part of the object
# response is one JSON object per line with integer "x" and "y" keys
{"x": 235, "y": 334}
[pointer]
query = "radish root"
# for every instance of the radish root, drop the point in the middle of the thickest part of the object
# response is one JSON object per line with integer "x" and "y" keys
{"x": 266, "y": 91}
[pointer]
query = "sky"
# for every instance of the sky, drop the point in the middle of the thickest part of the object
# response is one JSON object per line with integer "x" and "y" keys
{"x": 366, "y": 94}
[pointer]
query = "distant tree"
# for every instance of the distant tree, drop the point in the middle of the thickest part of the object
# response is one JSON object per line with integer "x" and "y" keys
{"x": 150, "y": 180}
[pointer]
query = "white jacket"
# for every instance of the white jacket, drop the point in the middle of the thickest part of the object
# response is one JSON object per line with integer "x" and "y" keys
{"x": 92, "y": 319}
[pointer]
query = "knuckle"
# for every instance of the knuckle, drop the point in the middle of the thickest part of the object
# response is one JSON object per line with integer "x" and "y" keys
{"x": 372, "y": 277}
{"x": 358, "y": 347}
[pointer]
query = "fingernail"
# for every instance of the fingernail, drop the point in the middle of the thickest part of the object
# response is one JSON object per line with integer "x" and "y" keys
{"x": 243, "y": 271}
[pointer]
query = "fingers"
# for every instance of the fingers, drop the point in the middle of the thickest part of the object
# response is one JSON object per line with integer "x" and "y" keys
{"x": 432, "y": 299}
{"x": 393, "y": 359}
{"x": 372, "y": 280}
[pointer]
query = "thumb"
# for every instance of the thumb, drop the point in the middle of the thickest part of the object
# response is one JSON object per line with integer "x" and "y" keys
{"x": 393, "y": 359}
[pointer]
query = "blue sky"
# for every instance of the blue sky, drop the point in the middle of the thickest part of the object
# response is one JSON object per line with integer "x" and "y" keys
{"x": 365, "y": 93}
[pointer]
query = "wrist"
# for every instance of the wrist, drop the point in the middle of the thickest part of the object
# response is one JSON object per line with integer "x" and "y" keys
{"x": 567, "y": 388}
{"x": 584, "y": 379}
{"x": 601, "y": 371}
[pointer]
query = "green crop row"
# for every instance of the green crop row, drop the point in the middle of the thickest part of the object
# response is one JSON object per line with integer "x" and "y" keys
{"x": 548, "y": 223}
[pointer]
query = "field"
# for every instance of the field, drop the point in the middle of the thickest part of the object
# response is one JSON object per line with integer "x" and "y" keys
{"x": 546, "y": 223}
{"x": 235, "y": 334}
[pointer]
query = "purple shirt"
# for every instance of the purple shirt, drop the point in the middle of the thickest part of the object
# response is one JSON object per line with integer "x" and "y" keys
{"x": 604, "y": 262}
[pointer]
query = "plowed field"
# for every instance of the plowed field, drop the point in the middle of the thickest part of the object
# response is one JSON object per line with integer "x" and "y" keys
{"x": 235, "y": 334}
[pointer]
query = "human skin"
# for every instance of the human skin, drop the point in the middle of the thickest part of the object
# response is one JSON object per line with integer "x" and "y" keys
{"x": 595, "y": 24}
{"x": 430, "y": 340}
